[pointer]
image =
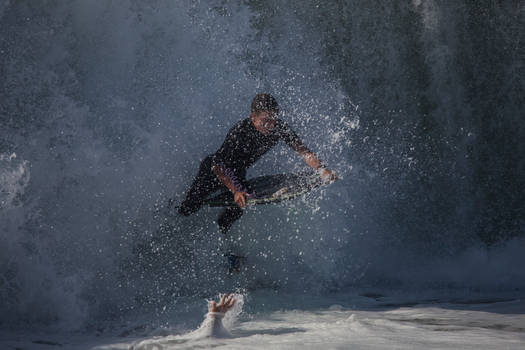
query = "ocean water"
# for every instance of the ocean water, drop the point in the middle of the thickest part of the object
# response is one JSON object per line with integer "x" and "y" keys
{"x": 342, "y": 321}
{"x": 106, "y": 110}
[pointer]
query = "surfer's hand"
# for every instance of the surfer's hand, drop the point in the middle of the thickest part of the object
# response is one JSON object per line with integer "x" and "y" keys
{"x": 224, "y": 304}
{"x": 328, "y": 175}
{"x": 240, "y": 198}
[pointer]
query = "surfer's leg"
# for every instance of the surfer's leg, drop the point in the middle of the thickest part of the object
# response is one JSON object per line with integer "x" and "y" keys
{"x": 231, "y": 214}
{"x": 228, "y": 217}
{"x": 204, "y": 183}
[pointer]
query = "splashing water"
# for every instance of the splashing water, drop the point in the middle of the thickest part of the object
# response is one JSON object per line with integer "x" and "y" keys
{"x": 109, "y": 109}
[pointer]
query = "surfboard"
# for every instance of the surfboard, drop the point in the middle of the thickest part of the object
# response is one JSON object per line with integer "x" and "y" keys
{"x": 270, "y": 189}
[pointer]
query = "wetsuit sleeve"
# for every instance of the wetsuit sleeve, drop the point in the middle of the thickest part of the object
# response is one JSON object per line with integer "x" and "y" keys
{"x": 290, "y": 137}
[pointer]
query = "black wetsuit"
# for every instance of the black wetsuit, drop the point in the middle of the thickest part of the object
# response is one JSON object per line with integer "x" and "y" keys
{"x": 243, "y": 146}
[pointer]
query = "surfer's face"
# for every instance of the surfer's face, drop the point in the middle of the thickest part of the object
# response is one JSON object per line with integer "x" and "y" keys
{"x": 264, "y": 121}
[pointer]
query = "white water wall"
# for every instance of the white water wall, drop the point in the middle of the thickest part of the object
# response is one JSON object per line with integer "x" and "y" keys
{"x": 109, "y": 107}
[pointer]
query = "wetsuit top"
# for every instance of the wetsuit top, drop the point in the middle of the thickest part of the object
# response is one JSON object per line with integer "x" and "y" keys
{"x": 244, "y": 144}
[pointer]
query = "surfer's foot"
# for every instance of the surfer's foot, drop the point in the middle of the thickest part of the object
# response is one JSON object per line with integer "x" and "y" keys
{"x": 235, "y": 262}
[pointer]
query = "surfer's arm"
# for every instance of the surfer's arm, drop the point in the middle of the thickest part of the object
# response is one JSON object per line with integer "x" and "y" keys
{"x": 294, "y": 141}
{"x": 220, "y": 172}
{"x": 238, "y": 195}
{"x": 312, "y": 160}
{"x": 309, "y": 157}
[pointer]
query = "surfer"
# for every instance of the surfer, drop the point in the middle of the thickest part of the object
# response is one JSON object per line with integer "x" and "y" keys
{"x": 245, "y": 143}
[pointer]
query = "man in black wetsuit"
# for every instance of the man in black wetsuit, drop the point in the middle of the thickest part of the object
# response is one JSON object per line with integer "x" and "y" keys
{"x": 245, "y": 143}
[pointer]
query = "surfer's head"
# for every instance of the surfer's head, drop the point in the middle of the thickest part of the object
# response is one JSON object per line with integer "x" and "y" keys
{"x": 265, "y": 103}
{"x": 264, "y": 112}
